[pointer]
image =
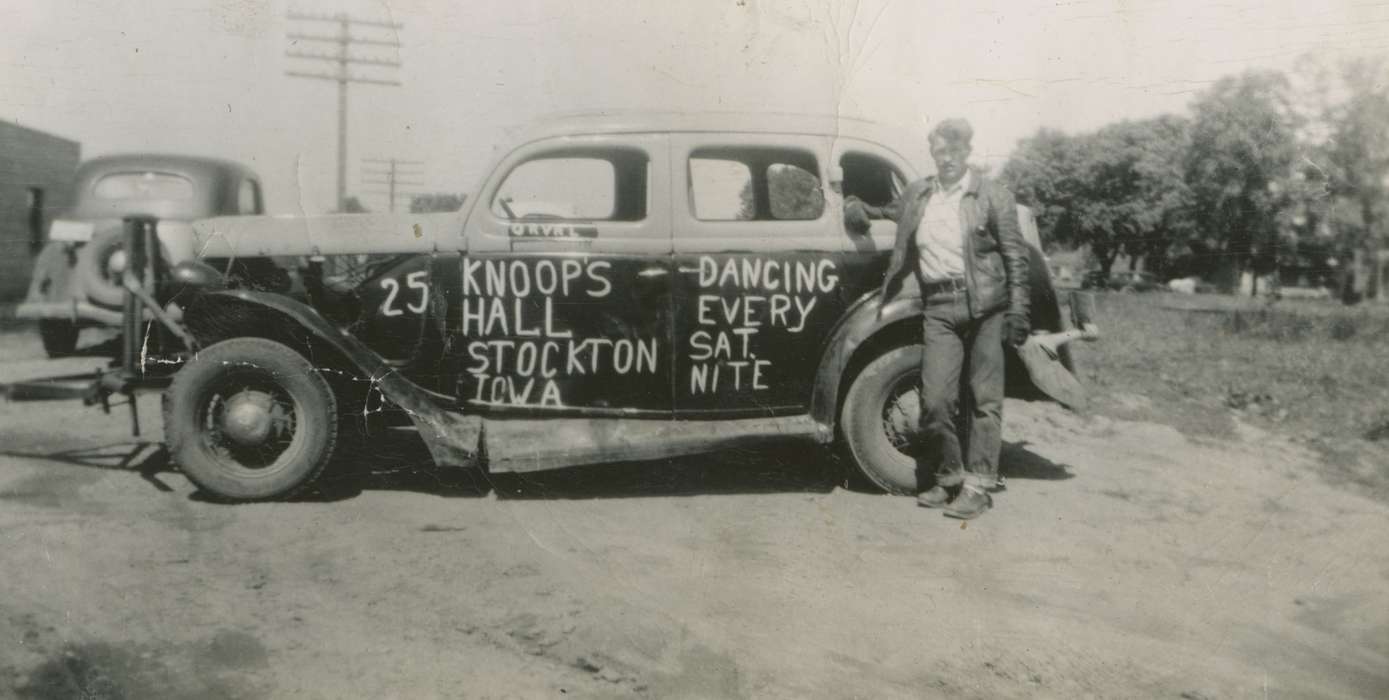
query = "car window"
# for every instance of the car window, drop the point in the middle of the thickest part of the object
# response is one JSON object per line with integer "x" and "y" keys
{"x": 248, "y": 198}
{"x": 794, "y": 193}
{"x": 721, "y": 190}
{"x": 143, "y": 185}
{"x": 870, "y": 178}
{"x": 754, "y": 184}
{"x": 600, "y": 187}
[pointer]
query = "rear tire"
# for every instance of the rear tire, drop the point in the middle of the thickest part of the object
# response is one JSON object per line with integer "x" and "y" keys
{"x": 249, "y": 419}
{"x": 880, "y": 420}
{"x": 99, "y": 276}
{"x": 59, "y": 337}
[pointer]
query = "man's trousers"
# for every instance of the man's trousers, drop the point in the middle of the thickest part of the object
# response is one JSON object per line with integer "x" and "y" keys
{"x": 957, "y": 345}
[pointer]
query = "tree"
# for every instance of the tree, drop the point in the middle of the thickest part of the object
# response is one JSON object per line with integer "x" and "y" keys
{"x": 1357, "y": 152}
{"x": 1044, "y": 172}
{"x": 353, "y": 205}
{"x": 1117, "y": 190}
{"x": 1240, "y": 164}
{"x": 436, "y": 202}
{"x": 792, "y": 193}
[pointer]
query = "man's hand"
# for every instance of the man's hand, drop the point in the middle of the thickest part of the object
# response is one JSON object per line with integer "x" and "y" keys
{"x": 1016, "y": 328}
{"x": 856, "y": 217}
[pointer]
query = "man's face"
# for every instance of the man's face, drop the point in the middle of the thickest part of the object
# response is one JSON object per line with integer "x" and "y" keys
{"x": 950, "y": 157}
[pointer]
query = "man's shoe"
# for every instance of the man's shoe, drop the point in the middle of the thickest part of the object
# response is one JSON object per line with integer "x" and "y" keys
{"x": 936, "y": 497}
{"x": 971, "y": 503}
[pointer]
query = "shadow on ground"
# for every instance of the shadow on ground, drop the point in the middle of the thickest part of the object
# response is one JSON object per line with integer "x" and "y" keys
{"x": 1018, "y": 462}
{"x": 404, "y": 465}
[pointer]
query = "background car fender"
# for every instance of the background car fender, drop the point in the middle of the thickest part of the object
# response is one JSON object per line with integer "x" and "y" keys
{"x": 52, "y": 279}
{"x": 453, "y": 439}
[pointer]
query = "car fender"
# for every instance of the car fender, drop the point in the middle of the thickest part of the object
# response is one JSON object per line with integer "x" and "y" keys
{"x": 453, "y": 439}
{"x": 52, "y": 278}
{"x": 861, "y": 323}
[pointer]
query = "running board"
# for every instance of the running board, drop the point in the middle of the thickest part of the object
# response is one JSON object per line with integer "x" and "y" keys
{"x": 527, "y": 445}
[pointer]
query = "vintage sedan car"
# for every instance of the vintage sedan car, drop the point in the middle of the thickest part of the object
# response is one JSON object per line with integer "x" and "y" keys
{"x": 688, "y": 285}
{"x": 76, "y": 280}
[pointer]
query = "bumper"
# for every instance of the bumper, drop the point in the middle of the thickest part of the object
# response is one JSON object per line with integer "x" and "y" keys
{"x": 76, "y": 311}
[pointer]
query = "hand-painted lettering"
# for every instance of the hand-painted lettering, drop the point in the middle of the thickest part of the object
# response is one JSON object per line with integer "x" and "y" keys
{"x": 519, "y": 350}
{"x": 743, "y": 300}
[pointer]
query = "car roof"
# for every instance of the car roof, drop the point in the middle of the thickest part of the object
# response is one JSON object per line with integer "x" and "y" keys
{"x": 215, "y": 182}
{"x": 589, "y": 123}
{"x": 196, "y": 167}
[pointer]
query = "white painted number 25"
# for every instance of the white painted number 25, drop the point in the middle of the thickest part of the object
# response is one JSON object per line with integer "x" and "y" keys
{"x": 414, "y": 280}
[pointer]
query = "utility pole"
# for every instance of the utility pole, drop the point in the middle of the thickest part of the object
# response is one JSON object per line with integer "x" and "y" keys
{"x": 340, "y": 60}
{"x": 390, "y": 171}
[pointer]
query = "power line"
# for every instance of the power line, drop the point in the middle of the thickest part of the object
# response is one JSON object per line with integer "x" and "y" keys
{"x": 338, "y": 72}
{"x": 391, "y": 176}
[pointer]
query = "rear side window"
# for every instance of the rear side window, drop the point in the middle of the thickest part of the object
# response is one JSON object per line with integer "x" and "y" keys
{"x": 755, "y": 185}
{"x": 143, "y": 185}
{"x": 604, "y": 186}
{"x": 248, "y": 198}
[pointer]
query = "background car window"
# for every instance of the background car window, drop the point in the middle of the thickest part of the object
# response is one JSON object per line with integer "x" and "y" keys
{"x": 870, "y": 178}
{"x": 248, "y": 198}
{"x": 611, "y": 187}
{"x": 146, "y": 185}
{"x": 754, "y": 184}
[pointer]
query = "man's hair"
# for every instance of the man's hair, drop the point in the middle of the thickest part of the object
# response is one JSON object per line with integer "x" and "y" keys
{"x": 952, "y": 131}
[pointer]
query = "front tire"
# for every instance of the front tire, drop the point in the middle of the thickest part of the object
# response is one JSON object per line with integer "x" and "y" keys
{"x": 881, "y": 418}
{"x": 249, "y": 419}
{"x": 59, "y": 337}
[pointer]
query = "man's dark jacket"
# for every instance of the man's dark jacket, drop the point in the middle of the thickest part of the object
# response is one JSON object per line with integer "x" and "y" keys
{"x": 995, "y": 255}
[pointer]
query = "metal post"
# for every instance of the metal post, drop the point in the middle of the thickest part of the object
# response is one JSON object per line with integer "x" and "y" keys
{"x": 134, "y": 244}
{"x": 392, "y": 187}
{"x": 343, "y": 39}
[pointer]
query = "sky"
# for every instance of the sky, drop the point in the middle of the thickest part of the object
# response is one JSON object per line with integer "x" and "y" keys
{"x": 209, "y": 77}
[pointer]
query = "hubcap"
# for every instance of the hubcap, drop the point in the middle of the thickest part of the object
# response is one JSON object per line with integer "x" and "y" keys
{"x": 902, "y": 416}
{"x": 249, "y": 417}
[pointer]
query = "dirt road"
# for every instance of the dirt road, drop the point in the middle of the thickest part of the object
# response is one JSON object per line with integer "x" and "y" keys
{"x": 1123, "y": 560}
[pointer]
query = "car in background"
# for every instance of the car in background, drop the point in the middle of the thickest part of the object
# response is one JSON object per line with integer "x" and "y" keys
{"x": 76, "y": 281}
{"x": 1121, "y": 281}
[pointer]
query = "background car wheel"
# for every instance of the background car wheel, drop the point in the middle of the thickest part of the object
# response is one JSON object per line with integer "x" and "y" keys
{"x": 249, "y": 419}
{"x": 881, "y": 417}
{"x": 59, "y": 337}
{"x": 100, "y": 264}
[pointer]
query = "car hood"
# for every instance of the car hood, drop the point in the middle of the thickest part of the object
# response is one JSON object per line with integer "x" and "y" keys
{"x": 329, "y": 234}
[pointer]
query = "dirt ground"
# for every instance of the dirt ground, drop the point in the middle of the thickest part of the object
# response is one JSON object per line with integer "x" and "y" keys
{"x": 1123, "y": 560}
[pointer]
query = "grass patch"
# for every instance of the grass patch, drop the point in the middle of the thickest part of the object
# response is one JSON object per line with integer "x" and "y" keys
{"x": 1318, "y": 372}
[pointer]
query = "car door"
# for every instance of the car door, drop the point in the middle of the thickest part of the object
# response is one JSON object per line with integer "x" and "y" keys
{"x": 564, "y": 300}
{"x": 759, "y": 257}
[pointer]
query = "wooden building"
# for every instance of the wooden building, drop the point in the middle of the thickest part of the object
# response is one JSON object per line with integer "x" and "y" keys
{"x": 36, "y": 171}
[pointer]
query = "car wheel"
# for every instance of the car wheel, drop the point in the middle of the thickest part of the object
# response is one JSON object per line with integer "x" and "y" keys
{"x": 249, "y": 419}
{"x": 59, "y": 337}
{"x": 100, "y": 264}
{"x": 881, "y": 418}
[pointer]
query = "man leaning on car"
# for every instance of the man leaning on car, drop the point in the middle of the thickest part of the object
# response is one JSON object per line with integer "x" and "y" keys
{"x": 958, "y": 232}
